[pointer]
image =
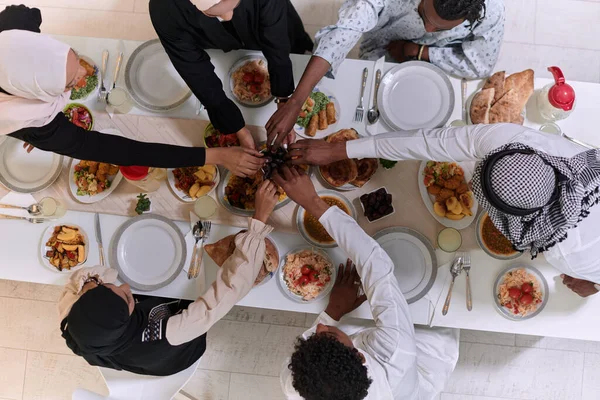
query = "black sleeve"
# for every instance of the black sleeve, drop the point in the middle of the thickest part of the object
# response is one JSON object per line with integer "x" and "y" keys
{"x": 276, "y": 46}
{"x": 194, "y": 66}
{"x": 20, "y": 17}
{"x": 62, "y": 137}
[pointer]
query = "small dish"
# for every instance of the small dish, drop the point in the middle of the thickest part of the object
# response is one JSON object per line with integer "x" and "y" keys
{"x": 543, "y": 286}
{"x": 181, "y": 195}
{"x": 362, "y": 206}
{"x": 69, "y": 112}
{"x": 295, "y": 297}
{"x": 43, "y": 248}
{"x": 483, "y": 246}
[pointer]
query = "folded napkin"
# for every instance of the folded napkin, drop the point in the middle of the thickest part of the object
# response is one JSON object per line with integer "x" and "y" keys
{"x": 436, "y": 294}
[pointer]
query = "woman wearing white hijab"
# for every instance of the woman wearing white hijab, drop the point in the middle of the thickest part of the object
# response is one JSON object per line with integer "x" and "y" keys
{"x": 37, "y": 73}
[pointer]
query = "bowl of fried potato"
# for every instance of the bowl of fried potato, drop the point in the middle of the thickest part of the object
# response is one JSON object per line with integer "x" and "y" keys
{"x": 64, "y": 248}
{"x": 191, "y": 183}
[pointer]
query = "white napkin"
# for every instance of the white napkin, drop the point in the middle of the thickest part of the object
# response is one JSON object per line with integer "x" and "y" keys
{"x": 17, "y": 199}
{"x": 436, "y": 294}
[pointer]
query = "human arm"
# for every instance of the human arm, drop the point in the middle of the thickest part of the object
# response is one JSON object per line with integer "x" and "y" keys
{"x": 194, "y": 65}
{"x": 580, "y": 286}
{"x": 234, "y": 279}
{"x": 476, "y": 55}
{"x": 20, "y": 17}
{"x": 62, "y": 137}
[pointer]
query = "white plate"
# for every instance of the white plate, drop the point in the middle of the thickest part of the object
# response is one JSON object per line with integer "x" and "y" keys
{"x": 415, "y": 264}
{"x": 181, "y": 195}
{"x": 429, "y": 200}
{"x": 300, "y": 130}
{"x": 237, "y": 65}
{"x": 148, "y": 251}
{"x": 152, "y": 80}
{"x": 543, "y": 286}
{"x": 48, "y": 234}
{"x": 27, "y": 173}
{"x": 302, "y": 212}
{"x": 415, "y": 95}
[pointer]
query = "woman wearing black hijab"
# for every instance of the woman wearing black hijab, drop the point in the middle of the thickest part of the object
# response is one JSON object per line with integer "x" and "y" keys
{"x": 102, "y": 323}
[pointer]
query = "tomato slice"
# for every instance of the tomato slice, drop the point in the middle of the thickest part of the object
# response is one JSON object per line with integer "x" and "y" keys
{"x": 514, "y": 293}
{"x": 259, "y": 78}
{"x": 526, "y": 299}
{"x": 304, "y": 280}
{"x": 305, "y": 270}
{"x": 527, "y": 287}
{"x": 248, "y": 77}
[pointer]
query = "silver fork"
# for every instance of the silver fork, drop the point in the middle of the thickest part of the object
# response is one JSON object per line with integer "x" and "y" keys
{"x": 32, "y": 220}
{"x": 199, "y": 251}
{"x": 467, "y": 267}
{"x": 360, "y": 109}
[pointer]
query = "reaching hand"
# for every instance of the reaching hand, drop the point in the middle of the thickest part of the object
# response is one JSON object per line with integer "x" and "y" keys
{"x": 280, "y": 125}
{"x": 345, "y": 297}
{"x": 579, "y": 286}
{"x": 240, "y": 161}
{"x": 246, "y": 139}
{"x": 28, "y": 147}
{"x": 297, "y": 185}
{"x": 266, "y": 199}
{"x": 316, "y": 152}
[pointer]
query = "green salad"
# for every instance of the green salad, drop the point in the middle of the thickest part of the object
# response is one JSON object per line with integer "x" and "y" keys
{"x": 310, "y": 108}
{"x": 82, "y": 92}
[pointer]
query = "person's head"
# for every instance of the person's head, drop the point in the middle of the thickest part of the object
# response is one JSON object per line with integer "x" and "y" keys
{"x": 222, "y": 9}
{"x": 327, "y": 366}
{"x": 440, "y": 15}
{"x": 36, "y": 66}
{"x": 101, "y": 322}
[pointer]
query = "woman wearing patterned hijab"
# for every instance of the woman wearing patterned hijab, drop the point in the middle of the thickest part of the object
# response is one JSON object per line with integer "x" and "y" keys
{"x": 538, "y": 189}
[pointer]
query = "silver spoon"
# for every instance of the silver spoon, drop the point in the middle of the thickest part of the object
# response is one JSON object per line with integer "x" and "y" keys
{"x": 197, "y": 232}
{"x": 34, "y": 209}
{"x": 455, "y": 269}
{"x": 373, "y": 113}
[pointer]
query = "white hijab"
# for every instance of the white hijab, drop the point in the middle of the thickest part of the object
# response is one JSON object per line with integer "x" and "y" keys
{"x": 204, "y": 5}
{"x": 33, "y": 70}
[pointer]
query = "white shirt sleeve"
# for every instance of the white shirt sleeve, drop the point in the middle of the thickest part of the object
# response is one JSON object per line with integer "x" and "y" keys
{"x": 393, "y": 333}
{"x": 356, "y": 17}
{"x": 456, "y": 144}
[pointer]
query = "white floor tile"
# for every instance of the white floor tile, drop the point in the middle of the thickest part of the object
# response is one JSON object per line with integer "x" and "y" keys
{"x": 449, "y": 396}
{"x": 12, "y": 373}
{"x": 264, "y": 316}
{"x": 28, "y": 290}
{"x": 254, "y": 387}
{"x": 591, "y": 377}
{"x": 578, "y": 26}
{"x": 213, "y": 385}
{"x": 576, "y": 64}
{"x": 248, "y": 347}
{"x": 517, "y": 373}
{"x": 310, "y": 320}
{"x": 503, "y": 339}
{"x": 540, "y": 342}
{"x": 55, "y": 376}
{"x": 520, "y": 20}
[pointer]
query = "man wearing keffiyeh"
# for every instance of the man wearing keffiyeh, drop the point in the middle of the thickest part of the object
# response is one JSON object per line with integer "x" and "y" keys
{"x": 539, "y": 190}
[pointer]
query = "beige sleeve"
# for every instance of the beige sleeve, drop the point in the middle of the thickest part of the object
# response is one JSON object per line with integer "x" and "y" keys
{"x": 72, "y": 291}
{"x": 234, "y": 281}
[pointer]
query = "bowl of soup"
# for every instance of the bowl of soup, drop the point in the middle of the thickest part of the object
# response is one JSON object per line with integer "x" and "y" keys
{"x": 312, "y": 230}
{"x": 492, "y": 241}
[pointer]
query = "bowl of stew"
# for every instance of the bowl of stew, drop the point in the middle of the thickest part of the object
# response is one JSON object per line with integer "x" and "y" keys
{"x": 492, "y": 241}
{"x": 312, "y": 230}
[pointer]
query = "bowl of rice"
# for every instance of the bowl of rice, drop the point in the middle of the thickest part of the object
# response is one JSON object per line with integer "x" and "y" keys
{"x": 520, "y": 292}
{"x": 307, "y": 275}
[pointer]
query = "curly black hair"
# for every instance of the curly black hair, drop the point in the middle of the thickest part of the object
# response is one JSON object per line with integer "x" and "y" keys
{"x": 471, "y": 10}
{"x": 325, "y": 369}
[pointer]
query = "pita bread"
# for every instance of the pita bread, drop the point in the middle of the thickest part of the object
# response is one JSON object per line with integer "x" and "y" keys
{"x": 366, "y": 168}
{"x": 507, "y": 109}
{"x": 223, "y": 249}
{"x": 340, "y": 172}
{"x": 523, "y": 83}
{"x": 480, "y": 106}
{"x": 496, "y": 82}
{"x": 343, "y": 135}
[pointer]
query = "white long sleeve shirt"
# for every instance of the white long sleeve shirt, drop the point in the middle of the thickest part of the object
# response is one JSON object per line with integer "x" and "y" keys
{"x": 577, "y": 256}
{"x": 401, "y": 364}
{"x": 459, "y": 51}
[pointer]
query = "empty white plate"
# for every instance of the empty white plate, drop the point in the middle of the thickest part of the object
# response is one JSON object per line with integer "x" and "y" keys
{"x": 415, "y": 95}
{"x": 27, "y": 173}
{"x": 148, "y": 251}
{"x": 152, "y": 80}
{"x": 415, "y": 264}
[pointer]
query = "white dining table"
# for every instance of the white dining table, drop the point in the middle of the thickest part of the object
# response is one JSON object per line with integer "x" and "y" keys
{"x": 566, "y": 315}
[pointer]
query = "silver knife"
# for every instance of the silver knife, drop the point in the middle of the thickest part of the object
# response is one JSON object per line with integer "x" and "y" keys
{"x": 99, "y": 238}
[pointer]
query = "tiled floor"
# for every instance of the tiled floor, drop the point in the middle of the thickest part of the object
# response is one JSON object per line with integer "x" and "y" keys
{"x": 246, "y": 349}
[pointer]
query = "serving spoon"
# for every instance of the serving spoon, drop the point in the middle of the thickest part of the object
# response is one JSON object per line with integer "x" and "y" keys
{"x": 34, "y": 209}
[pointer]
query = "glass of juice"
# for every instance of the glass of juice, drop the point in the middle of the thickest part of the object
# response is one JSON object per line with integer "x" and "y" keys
{"x": 205, "y": 207}
{"x": 52, "y": 208}
{"x": 449, "y": 240}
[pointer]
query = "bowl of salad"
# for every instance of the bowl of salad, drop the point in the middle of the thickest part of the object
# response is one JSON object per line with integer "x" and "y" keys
{"x": 79, "y": 115}
{"x": 88, "y": 84}
{"x": 214, "y": 138}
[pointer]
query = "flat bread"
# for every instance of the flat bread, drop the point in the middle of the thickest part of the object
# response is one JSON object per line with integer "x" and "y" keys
{"x": 480, "y": 106}
{"x": 522, "y": 83}
{"x": 343, "y": 135}
{"x": 507, "y": 109}
{"x": 223, "y": 249}
{"x": 340, "y": 172}
{"x": 496, "y": 82}
{"x": 366, "y": 169}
